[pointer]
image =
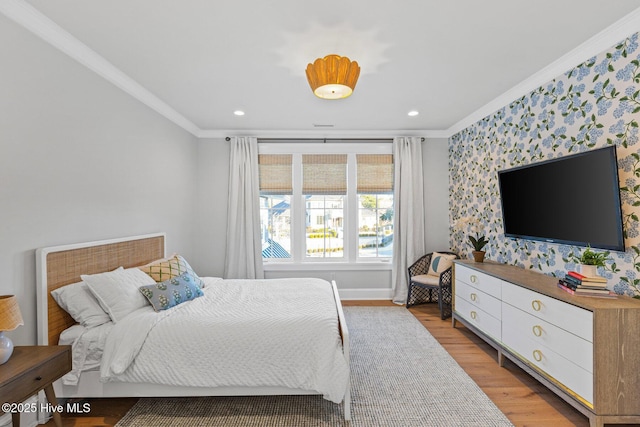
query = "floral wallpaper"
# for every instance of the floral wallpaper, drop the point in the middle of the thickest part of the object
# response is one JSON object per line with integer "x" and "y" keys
{"x": 593, "y": 105}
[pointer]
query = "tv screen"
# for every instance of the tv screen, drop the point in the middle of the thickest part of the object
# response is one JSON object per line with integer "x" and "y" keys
{"x": 572, "y": 200}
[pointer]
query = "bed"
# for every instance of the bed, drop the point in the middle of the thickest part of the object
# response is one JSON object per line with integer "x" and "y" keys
{"x": 124, "y": 374}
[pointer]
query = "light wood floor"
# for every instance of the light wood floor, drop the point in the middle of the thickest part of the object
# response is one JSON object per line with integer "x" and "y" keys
{"x": 521, "y": 398}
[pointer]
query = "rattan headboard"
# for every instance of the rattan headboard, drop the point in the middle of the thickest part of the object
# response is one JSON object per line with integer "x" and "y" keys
{"x": 61, "y": 265}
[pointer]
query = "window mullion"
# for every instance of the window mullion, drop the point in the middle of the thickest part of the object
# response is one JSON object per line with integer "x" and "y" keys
{"x": 298, "y": 211}
{"x": 351, "y": 209}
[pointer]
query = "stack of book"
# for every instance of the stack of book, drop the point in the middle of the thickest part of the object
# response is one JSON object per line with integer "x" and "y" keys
{"x": 578, "y": 284}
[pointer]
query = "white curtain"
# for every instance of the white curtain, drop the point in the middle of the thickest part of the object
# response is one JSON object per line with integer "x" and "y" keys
{"x": 408, "y": 224}
{"x": 244, "y": 246}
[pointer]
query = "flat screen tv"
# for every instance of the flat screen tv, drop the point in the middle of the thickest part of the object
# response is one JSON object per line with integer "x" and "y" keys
{"x": 571, "y": 200}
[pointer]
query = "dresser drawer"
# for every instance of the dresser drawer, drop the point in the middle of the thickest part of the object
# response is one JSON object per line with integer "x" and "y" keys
{"x": 564, "y": 371}
{"x": 478, "y": 318}
{"x": 481, "y": 300}
{"x": 481, "y": 281}
{"x": 570, "y": 346}
{"x": 576, "y": 320}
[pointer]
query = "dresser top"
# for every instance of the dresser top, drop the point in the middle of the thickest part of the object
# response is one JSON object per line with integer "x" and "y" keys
{"x": 548, "y": 285}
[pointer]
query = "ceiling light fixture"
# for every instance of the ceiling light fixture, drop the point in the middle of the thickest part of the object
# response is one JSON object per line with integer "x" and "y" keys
{"x": 412, "y": 113}
{"x": 238, "y": 113}
{"x": 333, "y": 77}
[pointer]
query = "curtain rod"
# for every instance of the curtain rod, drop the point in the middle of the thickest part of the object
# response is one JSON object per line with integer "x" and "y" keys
{"x": 324, "y": 140}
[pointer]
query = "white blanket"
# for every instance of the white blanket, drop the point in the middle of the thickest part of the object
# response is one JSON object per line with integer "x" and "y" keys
{"x": 86, "y": 349}
{"x": 273, "y": 332}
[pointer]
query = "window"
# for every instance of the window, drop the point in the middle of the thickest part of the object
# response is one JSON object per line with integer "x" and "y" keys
{"x": 275, "y": 205}
{"x": 275, "y": 223}
{"x": 324, "y": 186}
{"x": 375, "y": 204}
{"x": 326, "y": 202}
{"x": 323, "y": 234}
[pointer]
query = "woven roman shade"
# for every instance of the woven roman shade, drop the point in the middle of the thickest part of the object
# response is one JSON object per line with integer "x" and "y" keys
{"x": 324, "y": 174}
{"x": 275, "y": 173}
{"x": 375, "y": 173}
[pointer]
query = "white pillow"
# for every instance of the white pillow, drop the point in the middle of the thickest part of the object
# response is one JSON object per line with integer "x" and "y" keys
{"x": 117, "y": 290}
{"x": 77, "y": 300}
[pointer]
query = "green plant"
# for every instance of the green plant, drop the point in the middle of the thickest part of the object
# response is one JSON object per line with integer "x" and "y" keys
{"x": 473, "y": 225}
{"x": 478, "y": 242}
{"x": 590, "y": 257}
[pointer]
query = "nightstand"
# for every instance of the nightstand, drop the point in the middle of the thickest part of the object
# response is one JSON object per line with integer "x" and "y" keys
{"x": 31, "y": 369}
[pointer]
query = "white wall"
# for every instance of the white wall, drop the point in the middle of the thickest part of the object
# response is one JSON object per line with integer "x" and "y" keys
{"x": 80, "y": 161}
{"x": 213, "y": 193}
{"x": 213, "y": 178}
{"x": 435, "y": 154}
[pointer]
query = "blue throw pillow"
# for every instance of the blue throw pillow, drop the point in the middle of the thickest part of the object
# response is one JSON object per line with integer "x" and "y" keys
{"x": 172, "y": 292}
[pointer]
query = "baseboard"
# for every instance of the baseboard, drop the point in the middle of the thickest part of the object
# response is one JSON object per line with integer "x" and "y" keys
{"x": 366, "y": 294}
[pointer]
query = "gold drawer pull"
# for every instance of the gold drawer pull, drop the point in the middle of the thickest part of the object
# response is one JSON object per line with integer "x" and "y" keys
{"x": 537, "y": 355}
{"x": 536, "y": 305}
{"x": 537, "y": 331}
{"x": 474, "y": 278}
{"x": 473, "y": 315}
{"x": 474, "y": 297}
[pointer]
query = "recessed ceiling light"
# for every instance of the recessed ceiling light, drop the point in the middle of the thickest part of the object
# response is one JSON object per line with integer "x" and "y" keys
{"x": 413, "y": 113}
{"x": 238, "y": 113}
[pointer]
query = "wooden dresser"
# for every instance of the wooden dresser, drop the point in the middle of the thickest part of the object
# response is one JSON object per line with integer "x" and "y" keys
{"x": 585, "y": 349}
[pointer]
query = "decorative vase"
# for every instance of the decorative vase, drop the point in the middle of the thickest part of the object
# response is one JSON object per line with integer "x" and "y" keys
{"x": 6, "y": 348}
{"x": 478, "y": 256}
{"x": 589, "y": 270}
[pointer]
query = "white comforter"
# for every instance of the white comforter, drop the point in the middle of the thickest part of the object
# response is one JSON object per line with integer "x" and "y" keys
{"x": 278, "y": 332}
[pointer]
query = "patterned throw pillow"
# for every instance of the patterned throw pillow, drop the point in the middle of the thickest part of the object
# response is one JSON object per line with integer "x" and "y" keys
{"x": 168, "y": 268}
{"x": 167, "y": 294}
{"x": 440, "y": 262}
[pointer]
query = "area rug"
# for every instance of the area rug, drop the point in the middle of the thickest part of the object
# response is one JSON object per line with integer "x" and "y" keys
{"x": 400, "y": 376}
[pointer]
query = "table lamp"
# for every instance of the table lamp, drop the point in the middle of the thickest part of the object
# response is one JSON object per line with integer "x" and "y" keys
{"x": 10, "y": 318}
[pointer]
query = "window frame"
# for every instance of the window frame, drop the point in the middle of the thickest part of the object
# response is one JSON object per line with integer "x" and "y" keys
{"x": 298, "y": 261}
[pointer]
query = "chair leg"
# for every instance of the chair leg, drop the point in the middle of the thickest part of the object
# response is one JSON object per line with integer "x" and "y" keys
{"x": 444, "y": 303}
{"x": 421, "y": 295}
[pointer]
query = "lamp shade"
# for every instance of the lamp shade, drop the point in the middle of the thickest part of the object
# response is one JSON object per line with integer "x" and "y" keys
{"x": 333, "y": 77}
{"x": 10, "y": 316}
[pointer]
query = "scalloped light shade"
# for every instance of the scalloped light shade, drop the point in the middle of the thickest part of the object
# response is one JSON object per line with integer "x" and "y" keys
{"x": 333, "y": 77}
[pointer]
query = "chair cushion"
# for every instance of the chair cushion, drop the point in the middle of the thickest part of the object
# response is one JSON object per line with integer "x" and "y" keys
{"x": 440, "y": 262}
{"x": 426, "y": 279}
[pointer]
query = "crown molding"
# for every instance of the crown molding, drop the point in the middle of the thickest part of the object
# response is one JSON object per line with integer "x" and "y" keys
{"x": 602, "y": 41}
{"x": 315, "y": 134}
{"x": 30, "y": 18}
